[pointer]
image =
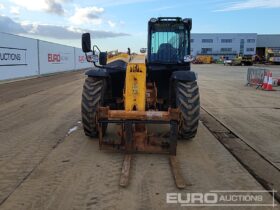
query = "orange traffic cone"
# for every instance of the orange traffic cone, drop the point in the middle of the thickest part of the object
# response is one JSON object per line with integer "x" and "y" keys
{"x": 269, "y": 84}
{"x": 265, "y": 80}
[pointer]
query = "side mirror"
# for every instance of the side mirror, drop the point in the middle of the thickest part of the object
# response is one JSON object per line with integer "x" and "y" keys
{"x": 86, "y": 43}
{"x": 189, "y": 22}
{"x": 103, "y": 58}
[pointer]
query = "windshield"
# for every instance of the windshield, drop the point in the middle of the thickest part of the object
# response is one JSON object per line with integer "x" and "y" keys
{"x": 168, "y": 43}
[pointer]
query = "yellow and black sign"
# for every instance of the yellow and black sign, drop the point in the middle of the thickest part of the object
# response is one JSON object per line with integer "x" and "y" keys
{"x": 135, "y": 87}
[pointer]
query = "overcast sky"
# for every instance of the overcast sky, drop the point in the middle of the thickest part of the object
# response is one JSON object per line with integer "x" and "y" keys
{"x": 118, "y": 24}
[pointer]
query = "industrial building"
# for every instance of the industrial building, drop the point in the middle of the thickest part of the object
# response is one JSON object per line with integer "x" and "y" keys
{"x": 231, "y": 44}
{"x": 268, "y": 47}
{"x": 227, "y": 44}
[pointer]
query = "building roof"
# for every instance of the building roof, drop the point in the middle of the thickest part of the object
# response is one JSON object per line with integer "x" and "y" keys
{"x": 223, "y": 34}
{"x": 268, "y": 40}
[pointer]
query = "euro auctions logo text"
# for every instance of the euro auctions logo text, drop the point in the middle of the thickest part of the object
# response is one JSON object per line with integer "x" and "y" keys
{"x": 54, "y": 58}
{"x": 58, "y": 58}
{"x": 12, "y": 56}
{"x": 223, "y": 198}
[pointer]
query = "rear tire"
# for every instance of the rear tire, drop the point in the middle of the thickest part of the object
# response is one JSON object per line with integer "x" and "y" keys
{"x": 187, "y": 100}
{"x": 92, "y": 98}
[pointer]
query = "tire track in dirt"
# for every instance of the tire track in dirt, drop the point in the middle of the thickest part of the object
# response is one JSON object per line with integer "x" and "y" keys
{"x": 18, "y": 89}
{"x": 22, "y": 121}
{"x": 36, "y": 135}
{"x": 150, "y": 180}
{"x": 110, "y": 195}
{"x": 39, "y": 187}
{"x": 100, "y": 189}
{"x": 76, "y": 175}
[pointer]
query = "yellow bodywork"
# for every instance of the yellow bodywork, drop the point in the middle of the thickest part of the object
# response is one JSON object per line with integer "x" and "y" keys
{"x": 135, "y": 84}
{"x": 120, "y": 56}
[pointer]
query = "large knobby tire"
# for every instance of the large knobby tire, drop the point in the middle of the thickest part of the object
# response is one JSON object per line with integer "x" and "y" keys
{"x": 92, "y": 98}
{"x": 187, "y": 100}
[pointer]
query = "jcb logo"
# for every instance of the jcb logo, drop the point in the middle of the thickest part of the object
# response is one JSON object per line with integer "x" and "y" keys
{"x": 135, "y": 68}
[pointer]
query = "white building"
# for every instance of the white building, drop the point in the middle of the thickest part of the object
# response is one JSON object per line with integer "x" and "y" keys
{"x": 223, "y": 44}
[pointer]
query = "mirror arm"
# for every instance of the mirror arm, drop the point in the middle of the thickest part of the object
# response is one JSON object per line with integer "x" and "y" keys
{"x": 91, "y": 60}
{"x": 96, "y": 48}
{"x": 93, "y": 53}
{"x": 98, "y": 66}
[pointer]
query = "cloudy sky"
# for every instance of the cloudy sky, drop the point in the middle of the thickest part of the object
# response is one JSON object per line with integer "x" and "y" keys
{"x": 118, "y": 24}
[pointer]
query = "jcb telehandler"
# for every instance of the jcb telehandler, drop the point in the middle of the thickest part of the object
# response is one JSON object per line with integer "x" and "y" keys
{"x": 133, "y": 91}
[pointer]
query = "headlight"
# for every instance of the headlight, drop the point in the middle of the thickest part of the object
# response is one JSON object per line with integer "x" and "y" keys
{"x": 188, "y": 58}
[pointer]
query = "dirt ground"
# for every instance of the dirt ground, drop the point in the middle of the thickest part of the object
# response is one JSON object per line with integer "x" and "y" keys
{"x": 46, "y": 162}
{"x": 253, "y": 114}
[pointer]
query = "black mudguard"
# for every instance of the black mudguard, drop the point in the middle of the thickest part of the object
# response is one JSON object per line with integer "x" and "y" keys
{"x": 112, "y": 68}
{"x": 96, "y": 72}
{"x": 189, "y": 76}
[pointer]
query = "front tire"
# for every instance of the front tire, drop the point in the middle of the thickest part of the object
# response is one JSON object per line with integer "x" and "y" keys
{"x": 92, "y": 98}
{"x": 187, "y": 100}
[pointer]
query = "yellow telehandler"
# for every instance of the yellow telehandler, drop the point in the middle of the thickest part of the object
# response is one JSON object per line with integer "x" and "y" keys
{"x": 132, "y": 91}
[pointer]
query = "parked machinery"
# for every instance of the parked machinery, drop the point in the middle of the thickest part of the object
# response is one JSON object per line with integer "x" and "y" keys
{"x": 242, "y": 60}
{"x": 272, "y": 55}
{"x": 135, "y": 90}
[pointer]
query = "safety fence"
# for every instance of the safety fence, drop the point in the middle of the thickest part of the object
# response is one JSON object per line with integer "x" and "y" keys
{"x": 255, "y": 76}
{"x": 24, "y": 57}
